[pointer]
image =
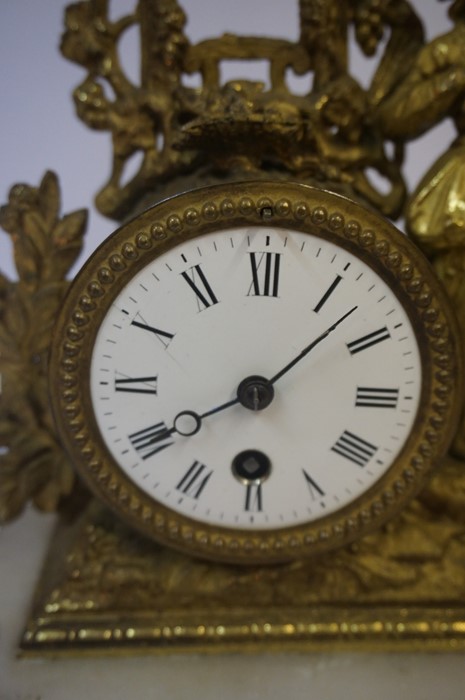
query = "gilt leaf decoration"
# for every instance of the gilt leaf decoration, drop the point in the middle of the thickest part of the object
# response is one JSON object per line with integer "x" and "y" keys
{"x": 33, "y": 465}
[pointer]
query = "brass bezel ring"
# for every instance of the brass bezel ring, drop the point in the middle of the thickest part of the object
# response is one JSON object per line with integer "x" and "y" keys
{"x": 293, "y": 206}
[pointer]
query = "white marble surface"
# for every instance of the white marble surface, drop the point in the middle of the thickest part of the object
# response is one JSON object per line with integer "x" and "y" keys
{"x": 39, "y": 131}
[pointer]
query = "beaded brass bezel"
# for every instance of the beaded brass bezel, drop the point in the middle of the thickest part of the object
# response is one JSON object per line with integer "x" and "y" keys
{"x": 287, "y": 205}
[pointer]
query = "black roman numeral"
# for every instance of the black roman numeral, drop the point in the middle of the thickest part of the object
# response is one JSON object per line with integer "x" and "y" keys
{"x": 194, "y": 480}
{"x": 265, "y": 274}
{"x": 368, "y": 340}
{"x": 136, "y": 385}
{"x": 195, "y": 278}
{"x": 354, "y": 448}
{"x": 374, "y": 397}
{"x": 163, "y": 336}
{"x": 253, "y": 498}
{"x": 315, "y": 490}
{"x": 149, "y": 441}
{"x": 327, "y": 294}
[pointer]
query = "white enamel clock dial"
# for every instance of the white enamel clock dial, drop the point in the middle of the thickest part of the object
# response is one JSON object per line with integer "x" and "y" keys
{"x": 256, "y": 372}
{"x": 230, "y": 306}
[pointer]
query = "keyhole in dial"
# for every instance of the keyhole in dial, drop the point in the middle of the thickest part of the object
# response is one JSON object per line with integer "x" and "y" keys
{"x": 251, "y": 466}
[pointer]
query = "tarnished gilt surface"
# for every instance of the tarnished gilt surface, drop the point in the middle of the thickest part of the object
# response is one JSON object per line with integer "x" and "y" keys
{"x": 33, "y": 465}
{"x": 400, "y": 589}
{"x": 334, "y": 135}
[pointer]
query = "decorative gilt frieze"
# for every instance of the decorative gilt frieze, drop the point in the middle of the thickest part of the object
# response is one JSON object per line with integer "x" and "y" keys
{"x": 243, "y": 128}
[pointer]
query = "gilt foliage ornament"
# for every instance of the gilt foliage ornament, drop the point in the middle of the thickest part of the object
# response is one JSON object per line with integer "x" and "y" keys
{"x": 33, "y": 465}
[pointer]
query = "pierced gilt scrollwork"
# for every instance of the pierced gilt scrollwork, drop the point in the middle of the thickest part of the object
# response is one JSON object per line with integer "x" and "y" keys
{"x": 33, "y": 465}
{"x": 140, "y": 118}
{"x": 242, "y": 128}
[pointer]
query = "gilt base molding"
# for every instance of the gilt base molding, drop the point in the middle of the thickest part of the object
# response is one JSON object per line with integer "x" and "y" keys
{"x": 106, "y": 590}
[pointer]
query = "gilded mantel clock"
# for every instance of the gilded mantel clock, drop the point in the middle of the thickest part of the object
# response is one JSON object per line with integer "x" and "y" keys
{"x": 247, "y": 406}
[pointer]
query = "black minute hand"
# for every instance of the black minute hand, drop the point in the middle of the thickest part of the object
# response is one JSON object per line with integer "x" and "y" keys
{"x": 310, "y": 347}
